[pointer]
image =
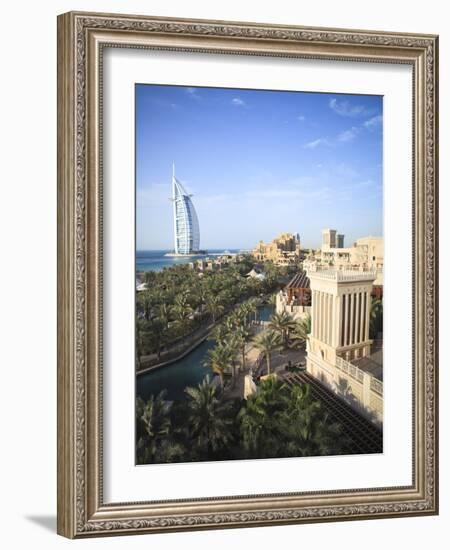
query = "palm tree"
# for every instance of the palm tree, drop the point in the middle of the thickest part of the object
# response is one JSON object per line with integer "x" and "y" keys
{"x": 240, "y": 315}
{"x": 253, "y": 305}
{"x": 165, "y": 314}
{"x": 301, "y": 331}
{"x": 140, "y": 331}
{"x": 182, "y": 311}
{"x": 282, "y": 323}
{"x": 153, "y": 431}
{"x": 145, "y": 302}
{"x": 243, "y": 337}
{"x": 306, "y": 428}
{"x": 219, "y": 360}
{"x": 231, "y": 323}
{"x": 213, "y": 306}
{"x": 259, "y": 426}
{"x": 219, "y": 334}
{"x": 209, "y": 423}
{"x": 149, "y": 278}
{"x": 268, "y": 342}
{"x": 376, "y": 317}
{"x": 234, "y": 346}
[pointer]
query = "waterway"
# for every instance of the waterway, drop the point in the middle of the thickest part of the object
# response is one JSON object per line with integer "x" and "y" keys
{"x": 188, "y": 371}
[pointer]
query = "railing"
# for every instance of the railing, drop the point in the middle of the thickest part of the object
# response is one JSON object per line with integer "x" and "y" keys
{"x": 350, "y": 369}
{"x": 376, "y": 385}
{"x": 344, "y": 276}
{"x": 358, "y": 374}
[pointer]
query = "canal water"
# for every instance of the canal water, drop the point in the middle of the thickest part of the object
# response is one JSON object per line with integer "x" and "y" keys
{"x": 188, "y": 371}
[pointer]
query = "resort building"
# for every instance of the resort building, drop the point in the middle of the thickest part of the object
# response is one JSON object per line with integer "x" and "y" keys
{"x": 339, "y": 351}
{"x": 284, "y": 250}
{"x": 295, "y": 298}
{"x": 255, "y": 273}
{"x": 332, "y": 239}
{"x": 186, "y": 228}
{"x": 372, "y": 250}
{"x": 366, "y": 253}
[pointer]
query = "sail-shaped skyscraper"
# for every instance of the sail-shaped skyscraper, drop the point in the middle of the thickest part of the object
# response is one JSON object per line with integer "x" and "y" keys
{"x": 185, "y": 221}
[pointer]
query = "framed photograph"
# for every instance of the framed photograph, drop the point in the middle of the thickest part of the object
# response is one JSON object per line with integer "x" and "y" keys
{"x": 247, "y": 274}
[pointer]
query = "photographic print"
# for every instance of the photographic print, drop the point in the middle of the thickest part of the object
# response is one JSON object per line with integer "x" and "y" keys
{"x": 259, "y": 274}
{"x": 222, "y": 231}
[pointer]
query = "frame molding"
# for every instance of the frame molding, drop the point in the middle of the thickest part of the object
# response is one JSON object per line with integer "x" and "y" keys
{"x": 81, "y": 37}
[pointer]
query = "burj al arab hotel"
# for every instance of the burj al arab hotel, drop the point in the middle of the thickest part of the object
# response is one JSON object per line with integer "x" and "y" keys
{"x": 185, "y": 222}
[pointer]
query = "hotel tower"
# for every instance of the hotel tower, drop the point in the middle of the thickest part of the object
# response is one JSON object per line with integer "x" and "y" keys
{"x": 185, "y": 221}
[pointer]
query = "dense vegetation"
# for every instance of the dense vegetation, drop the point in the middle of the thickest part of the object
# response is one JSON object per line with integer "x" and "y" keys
{"x": 180, "y": 301}
{"x": 211, "y": 423}
{"x": 277, "y": 421}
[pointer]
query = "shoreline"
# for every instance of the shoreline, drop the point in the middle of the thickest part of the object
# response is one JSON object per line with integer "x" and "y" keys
{"x": 185, "y": 352}
{"x": 177, "y": 358}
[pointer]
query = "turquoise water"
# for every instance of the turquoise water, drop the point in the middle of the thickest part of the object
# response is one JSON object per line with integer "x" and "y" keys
{"x": 265, "y": 312}
{"x": 155, "y": 260}
{"x": 188, "y": 371}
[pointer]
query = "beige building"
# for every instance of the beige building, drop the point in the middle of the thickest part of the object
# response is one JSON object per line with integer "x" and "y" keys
{"x": 284, "y": 250}
{"x": 366, "y": 253}
{"x": 339, "y": 350}
{"x": 372, "y": 250}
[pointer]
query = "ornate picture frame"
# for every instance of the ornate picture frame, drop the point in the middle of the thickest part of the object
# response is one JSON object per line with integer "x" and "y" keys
{"x": 82, "y": 38}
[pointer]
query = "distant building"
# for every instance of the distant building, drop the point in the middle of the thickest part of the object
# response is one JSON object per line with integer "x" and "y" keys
{"x": 339, "y": 351}
{"x": 328, "y": 238}
{"x": 372, "y": 249}
{"x": 284, "y": 250}
{"x": 367, "y": 253}
{"x": 186, "y": 228}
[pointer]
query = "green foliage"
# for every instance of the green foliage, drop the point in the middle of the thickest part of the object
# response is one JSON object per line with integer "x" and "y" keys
{"x": 208, "y": 419}
{"x": 300, "y": 332}
{"x": 268, "y": 342}
{"x": 376, "y": 317}
{"x": 153, "y": 432}
{"x": 178, "y": 301}
{"x": 282, "y": 323}
{"x": 219, "y": 359}
{"x": 277, "y": 421}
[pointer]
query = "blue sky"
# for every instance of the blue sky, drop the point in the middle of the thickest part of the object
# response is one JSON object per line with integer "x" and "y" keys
{"x": 258, "y": 163}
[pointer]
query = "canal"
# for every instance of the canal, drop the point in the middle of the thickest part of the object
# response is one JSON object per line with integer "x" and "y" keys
{"x": 188, "y": 371}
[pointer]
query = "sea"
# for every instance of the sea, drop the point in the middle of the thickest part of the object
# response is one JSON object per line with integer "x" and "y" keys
{"x": 156, "y": 260}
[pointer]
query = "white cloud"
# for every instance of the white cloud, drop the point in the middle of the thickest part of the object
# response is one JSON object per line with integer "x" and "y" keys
{"x": 316, "y": 143}
{"x": 301, "y": 118}
{"x": 192, "y": 93}
{"x": 374, "y": 122}
{"x": 348, "y": 135}
{"x": 345, "y": 108}
{"x": 238, "y": 102}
